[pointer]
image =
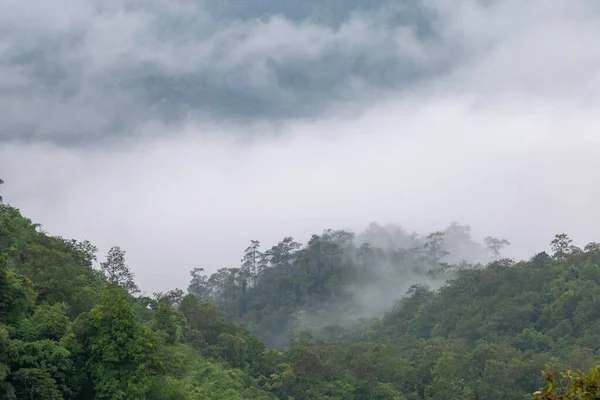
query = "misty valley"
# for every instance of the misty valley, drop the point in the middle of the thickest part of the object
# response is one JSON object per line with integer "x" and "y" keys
{"x": 382, "y": 314}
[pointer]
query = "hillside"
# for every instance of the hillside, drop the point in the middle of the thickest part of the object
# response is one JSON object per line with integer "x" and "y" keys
{"x": 337, "y": 278}
{"x": 71, "y": 330}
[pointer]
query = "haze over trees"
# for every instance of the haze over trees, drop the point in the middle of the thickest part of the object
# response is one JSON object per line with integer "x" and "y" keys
{"x": 382, "y": 314}
{"x": 336, "y": 279}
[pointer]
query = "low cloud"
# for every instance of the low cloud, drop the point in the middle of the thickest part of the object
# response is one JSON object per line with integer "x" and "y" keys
{"x": 492, "y": 122}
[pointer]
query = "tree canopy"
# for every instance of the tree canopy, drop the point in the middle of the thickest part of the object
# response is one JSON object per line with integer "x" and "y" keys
{"x": 382, "y": 314}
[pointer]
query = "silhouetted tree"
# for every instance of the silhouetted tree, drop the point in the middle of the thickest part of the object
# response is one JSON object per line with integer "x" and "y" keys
{"x": 199, "y": 285}
{"x": 561, "y": 246}
{"x": 494, "y": 245}
{"x": 251, "y": 259}
{"x": 434, "y": 246}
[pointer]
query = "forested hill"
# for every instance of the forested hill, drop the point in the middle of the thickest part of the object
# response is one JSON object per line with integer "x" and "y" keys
{"x": 337, "y": 278}
{"x": 71, "y": 330}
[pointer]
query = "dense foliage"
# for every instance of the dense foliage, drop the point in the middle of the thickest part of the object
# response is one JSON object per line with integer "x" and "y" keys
{"x": 570, "y": 385}
{"x": 72, "y": 328}
{"x": 68, "y": 331}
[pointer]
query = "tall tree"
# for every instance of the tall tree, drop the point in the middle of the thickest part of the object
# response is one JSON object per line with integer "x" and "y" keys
{"x": 314, "y": 249}
{"x": 199, "y": 285}
{"x": 251, "y": 259}
{"x": 264, "y": 262}
{"x": 117, "y": 272}
{"x": 165, "y": 321}
{"x": 121, "y": 350}
{"x": 494, "y": 245}
{"x": 561, "y": 246}
{"x": 243, "y": 277}
{"x": 364, "y": 253}
{"x": 434, "y": 246}
{"x": 282, "y": 254}
{"x": 1, "y": 183}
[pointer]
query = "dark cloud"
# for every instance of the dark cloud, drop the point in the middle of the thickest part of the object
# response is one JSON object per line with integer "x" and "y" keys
{"x": 90, "y": 70}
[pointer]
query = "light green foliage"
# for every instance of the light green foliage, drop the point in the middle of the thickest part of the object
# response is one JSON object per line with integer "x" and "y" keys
{"x": 40, "y": 365}
{"x": 570, "y": 385}
{"x": 47, "y": 322}
{"x": 189, "y": 375}
{"x": 15, "y": 231}
{"x": 59, "y": 270}
{"x": 372, "y": 328}
{"x": 74, "y": 345}
{"x": 121, "y": 350}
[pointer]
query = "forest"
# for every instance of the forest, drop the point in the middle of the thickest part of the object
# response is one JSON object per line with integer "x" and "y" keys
{"x": 382, "y": 314}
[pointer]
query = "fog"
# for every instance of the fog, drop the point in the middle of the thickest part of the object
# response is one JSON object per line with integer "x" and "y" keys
{"x": 182, "y": 130}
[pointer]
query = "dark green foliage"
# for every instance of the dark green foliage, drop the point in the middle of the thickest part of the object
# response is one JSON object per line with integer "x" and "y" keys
{"x": 16, "y": 294}
{"x": 166, "y": 321}
{"x": 289, "y": 286}
{"x": 40, "y": 369}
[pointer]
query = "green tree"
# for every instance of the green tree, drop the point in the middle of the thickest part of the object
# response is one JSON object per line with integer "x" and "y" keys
{"x": 41, "y": 369}
{"x": 570, "y": 385}
{"x": 251, "y": 259}
{"x": 47, "y": 322}
{"x": 165, "y": 321}
{"x": 117, "y": 272}
{"x": 16, "y": 294}
{"x": 434, "y": 246}
{"x": 561, "y": 246}
{"x": 199, "y": 285}
{"x": 122, "y": 352}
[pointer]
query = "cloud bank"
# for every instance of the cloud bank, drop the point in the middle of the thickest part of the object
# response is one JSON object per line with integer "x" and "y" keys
{"x": 181, "y": 130}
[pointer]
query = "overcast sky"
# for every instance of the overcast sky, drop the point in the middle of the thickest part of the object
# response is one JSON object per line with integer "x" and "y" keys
{"x": 180, "y": 130}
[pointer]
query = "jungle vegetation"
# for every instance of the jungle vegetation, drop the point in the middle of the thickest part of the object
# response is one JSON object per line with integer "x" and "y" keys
{"x": 382, "y": 314}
